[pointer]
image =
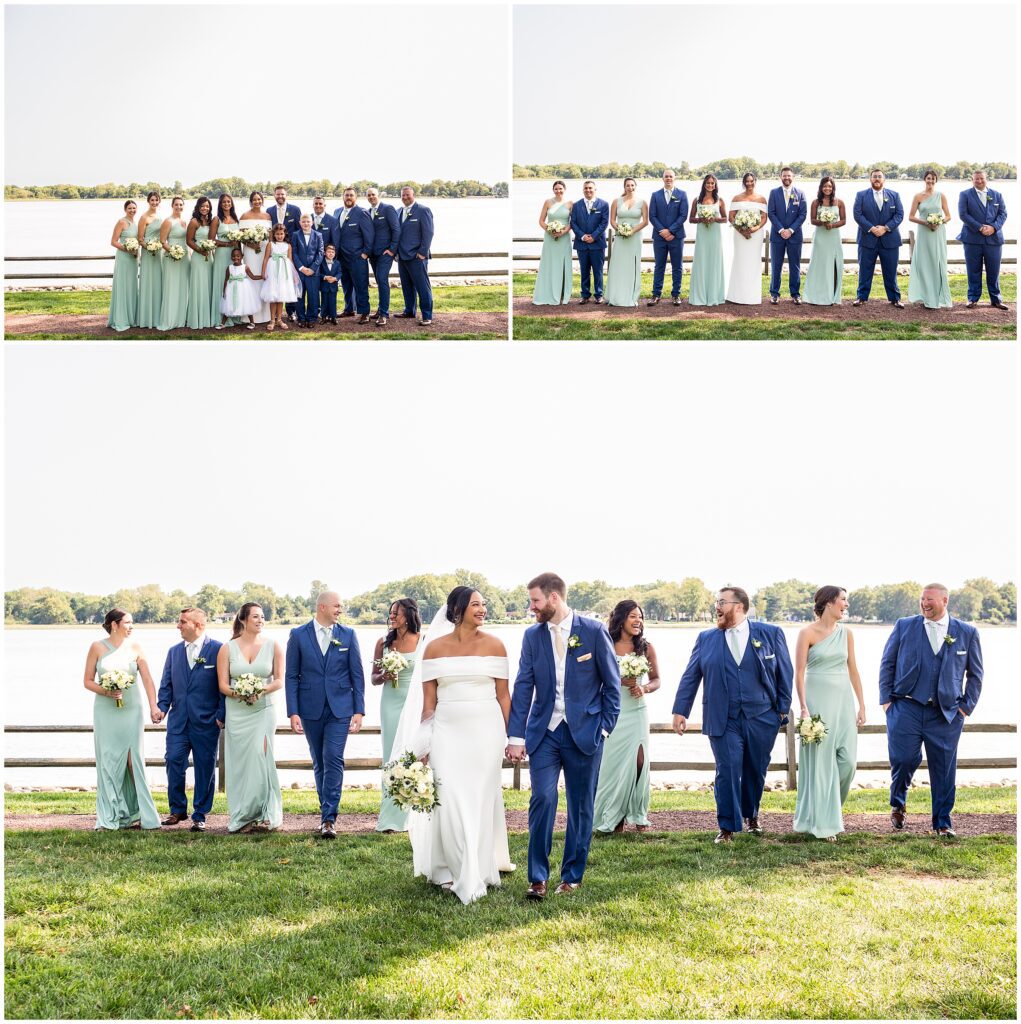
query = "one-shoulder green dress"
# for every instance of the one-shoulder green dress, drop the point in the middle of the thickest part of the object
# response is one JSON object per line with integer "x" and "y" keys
{"x": 929, "y": 283}
{"x": 554, "y": 281}
{"x": 124, "y": 295}
{"x": 624, "y": 275}
{"x": 174, "y": 305}
{"x": 391, "y": 704}
{"x": 150, "y": 277}
{"x": 200, "y": 286}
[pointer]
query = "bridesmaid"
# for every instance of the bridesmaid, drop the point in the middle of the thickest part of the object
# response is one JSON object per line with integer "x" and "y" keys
{"x": 825, "y": 673}
{"x": 555, "y": 280}
{"x": 708, "y": 286}
{"x": 150, "y": 264}
{"x": 405, "y": 631}
{"x": 124, "y": 296}
{"x": 824, "y": 284}
{"x": 123, "y": 799}
{"x": 200, "y": 278}
{"x": 623, "y": 790}
{"x": 254, "y": 802}
{"x": 929, "y": 283}
{"x": 254, "y": 257}
{"x": 174, "y": 305}
{"x": 225, "y": 221}
{"x": 624, "y": 277}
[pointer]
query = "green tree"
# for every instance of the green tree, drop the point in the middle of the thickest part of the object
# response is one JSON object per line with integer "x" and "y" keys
{"x": 51, "y": 607}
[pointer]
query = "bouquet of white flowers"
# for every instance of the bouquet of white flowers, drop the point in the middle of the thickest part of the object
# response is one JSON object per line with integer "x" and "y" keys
{"x": 747, "y": 219}
{"x": 154, "y": 245}
{"x": 117, "y": 679}
{"x": 131, "y": 244}
{"x": 248, "y": 686}
{"x": 176, "y": 252}
{"x": 811, "y": 730}
{"x": 625, "y": 230}
{"x": 208, "y": 247}
{"x": 234, "y": 235}
{"x": 633, "y": 666}
{"x": 254, "y": 236}
{"x": 392, "y": 664}
{"x": 552, "y": 226}
{"x": 410, "y": 784}
{"x": 705, "y": 213}
{"x": 935, "y": 219}
{"x": 827, "y": 214}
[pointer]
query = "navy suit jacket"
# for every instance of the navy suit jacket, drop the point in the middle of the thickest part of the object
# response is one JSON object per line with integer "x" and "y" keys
{"x": 671, "y": 216}
{"x": 974, "y": 215}
{"x": 960, "y": 675}
{"x": 292, "y": 216}
{"x": 355, "y": 237}
{"x": 594, "y": 223}
{"x": 782, "y": 215}
{"x": 416, "y": 232}
{"x": 310, "y": 255}
{"x": 329, "y": 270}
{"x": 386, "y": 229}
{"x": 707, "y": 664}
{"x": 193, "y": 691}
{"x": 326, "y": 227}
{"x": 591, "y": 685}
{"x": 868, "y": 215}
{"x": 314, "y": 681}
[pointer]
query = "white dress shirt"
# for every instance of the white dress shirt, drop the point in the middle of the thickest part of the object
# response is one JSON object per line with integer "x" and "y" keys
{"x": 668, "y": 194}
{"x": 940, "y": 628}
{"x": 742, "y": 632}
{"x": 192, "y": 649}
{"x": 877, "y": 194}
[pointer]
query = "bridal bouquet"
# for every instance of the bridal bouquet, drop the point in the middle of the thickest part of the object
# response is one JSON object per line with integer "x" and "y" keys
{"x": 811, "y": 730}
{"x": 633, "y": 666}
{"x": 410, "y": 784}
{"x": 935, "y": 219}
{"x": 117, "y": 679}
{"x": 706, "y": 214}
{"x": 154, "y": 245}
{"x": 248, "y": 686}
{"x": 553, "y": 226}
{"x": 827, "y": 215}
{"x": 176, "y": 252}
{"x": 747, "y": 219}
{"x": 208, "y": 247}
{"x": 392, "y": 664}
{"x": 131, "y": 244}
{"x": 254, "y": 236}
{"x": 625, "y": 230}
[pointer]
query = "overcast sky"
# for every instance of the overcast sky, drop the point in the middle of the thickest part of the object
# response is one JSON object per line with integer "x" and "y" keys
{"x": 858, "y": 463}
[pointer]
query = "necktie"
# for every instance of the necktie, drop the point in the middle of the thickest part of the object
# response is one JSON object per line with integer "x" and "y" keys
{"x": 588, "y": 205}
{"x": 878, "y": 194}
{"x": 982, "y": 196}
{"x": 558, "y": 643}
{"x": 404, "y": 214}
{"x": 191, "y": 655}
{"x": 343, "y": 216}
{"x": 933, "y": 636}
{"x": 787, "y": 197}
{"x": 323, "y": 638}
{"x": 735, "y": 645}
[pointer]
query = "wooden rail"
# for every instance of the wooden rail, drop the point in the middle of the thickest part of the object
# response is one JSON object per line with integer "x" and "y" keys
{"x": 788, "y": 765}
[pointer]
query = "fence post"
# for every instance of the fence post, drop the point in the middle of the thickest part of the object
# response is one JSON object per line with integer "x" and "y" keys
{"x": 911, "y": 244}
{"x": 221, "y": 770}
{"x": 765, "y": 258}
{"x": 517, "y": 775}
{"x": 792, "y": 755}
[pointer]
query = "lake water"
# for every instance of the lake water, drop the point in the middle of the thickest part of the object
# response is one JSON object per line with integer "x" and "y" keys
{"x": 83, "y": 228}
{"x": 44, "y": 686}
{"x": 528, "y": 195}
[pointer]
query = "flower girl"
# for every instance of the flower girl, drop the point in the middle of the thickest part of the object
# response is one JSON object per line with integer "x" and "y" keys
{"x": 240, "y": 295}
{"x": 280, "y": 277}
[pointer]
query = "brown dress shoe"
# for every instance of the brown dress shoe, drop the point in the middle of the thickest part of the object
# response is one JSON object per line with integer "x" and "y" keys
{"x": 535, "y": 891}
{"x": 566, "y": 888}
{"x": 897, "y": 818}
{"x": 752, "y": 825}
{"x": 723, "y": 836}
{"x": 175, "y": 819}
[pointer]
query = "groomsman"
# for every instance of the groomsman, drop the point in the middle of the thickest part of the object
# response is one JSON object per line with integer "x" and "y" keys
{"x": 746, "y": 698}
{"x": 329, "y": 279}
{"x": 787, "y": 210}
{"x": 189, "y": 691}
{"x": 321, "y": 220}
{"x": 386, "y": 234}
{"x": 668, "y": 210}
{"x": 283, "y": 212}
{"x": 878, "y": 213}
{"x": 589, "y": 219}
{"x": 413, "y": 252}
{"x": 325, "y": 689}
{"x": 983, "y": 213}
{"x": 352, "y": 237}
{"x": 930, "y": 678}
{"x": 307, "y": 253}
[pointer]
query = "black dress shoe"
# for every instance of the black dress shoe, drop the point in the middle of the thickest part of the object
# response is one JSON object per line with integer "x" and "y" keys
{"x": 346, "y": 314}
{"x": 584, "y": 302}
{"x": 598, "y": 300}
{"x": 797, "y": 300}
{"x": 333, "y": 320}
{"x": 654, "y": 301}
{"x": 774, "y": 299}
{"x": 897, "y": 819}
{"x": 897, "y": 304}
{"x": 752, "y": 825}
{"x": 972, "y": 305}
{"x": 677, "y": 300}
{"x": 1001, "y": 305}
{"x": 198, "y": 826}
{"x": 407, "y": 316}
{"x": 859, "y": 302}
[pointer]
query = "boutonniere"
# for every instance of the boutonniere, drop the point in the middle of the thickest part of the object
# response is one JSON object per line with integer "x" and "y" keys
{"x": 200, "y": 660}
{"x": 756, "y": 644}
{"x": 573, "y": 641}
{"x": 335, "y": 642}
{"x": 948, "y": 639}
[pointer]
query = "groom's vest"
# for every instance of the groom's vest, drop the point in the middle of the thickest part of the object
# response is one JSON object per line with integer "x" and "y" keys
{"x": 927, "y": 684}
{"x": 745, "y": 689}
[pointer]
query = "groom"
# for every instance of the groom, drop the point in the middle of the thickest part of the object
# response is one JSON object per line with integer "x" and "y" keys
{"x": 983, "y": 213}
{"x": 565, "y": 703}
{"x": 325, "y": 690}
{"x": 747, "y": 695}
{"x": 787, "y": 210}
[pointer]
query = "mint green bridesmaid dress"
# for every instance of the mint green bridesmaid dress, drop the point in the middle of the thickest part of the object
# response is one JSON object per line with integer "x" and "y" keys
{"x": 122, "y": 793}
{"x": 624, "y": 275}
{"x": 391, "y": 703}
{"x": 200, "y": 287}
{"x": 708, "y": 285}
{"x": 150, "y": 278}
{"x": 554, "y": 282}
{"x": 221, "y": 261}
{"x": 174, "y": 304}
{"x": 826, "y": 769}
{"x": 253, "y": 788}
{"x": 929, "y": 283}
{"x": 824, "y": 283}
{"x": 124, "y": 296}
{"x": 623, "y": 792}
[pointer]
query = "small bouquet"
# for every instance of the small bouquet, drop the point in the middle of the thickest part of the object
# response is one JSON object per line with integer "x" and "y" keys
{"x": 117, "y": 679}
{"x": 553, "y": 226}
{"x": 154, "y": 245}
{"x": 410, "y": 784}
{"x": 392, "y": 664}
{"x": 706, "y": 214}
{"x": 131, "y": 244}
{"x": 625, "y": 230}
{"x": 811, "y": 730}
{"x": 234, "y": 235}
{"x": 254, "y": 237}
{"x": 827, "y": 215}
{"x": 208, "y": 247}
{"x": 176, "y": 252}
{"x": 935, "y": 219}
{"x": 248, "y": 686}
{"x": 747, "y": 219}
{"x": 633, "y": 666}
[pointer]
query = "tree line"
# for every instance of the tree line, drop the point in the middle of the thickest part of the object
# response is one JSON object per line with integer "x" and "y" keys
{"x": 689, "y": 600}
{"x": 733, "y": 168}
{"x": 241, "y": 188}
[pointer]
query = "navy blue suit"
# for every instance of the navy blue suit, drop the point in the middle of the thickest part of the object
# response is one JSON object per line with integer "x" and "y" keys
{"x": 926, "y": 693}
{"x": 310, "y": 256}
{"x": 353, "y": 240}
{"x": 743, "y": 707}
{"x": 781, "y": 217}
{"x": 328, "y": 289}
{"x": 671, "y": 216}
{"x": 592, "y": 704}
{"x": 591, "y": 255}
{"x": 292, "y": 221}
{"x": 386, "y": 236}
{"x": 193, "y": 700}
{"x": 982, "y": 249}
{"x": 867, "y": 214}
{"x": 416, "y": 239}
{"x": 325, "y": 691}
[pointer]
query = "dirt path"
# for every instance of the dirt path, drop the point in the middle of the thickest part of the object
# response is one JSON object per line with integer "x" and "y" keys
{"x": 517, "y": 821}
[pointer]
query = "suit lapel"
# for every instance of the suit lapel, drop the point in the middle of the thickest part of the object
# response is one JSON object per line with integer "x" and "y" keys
{"x": 567, "y": 647}
{"x": 313, "y": 637}
{"x": 546, "y": 649}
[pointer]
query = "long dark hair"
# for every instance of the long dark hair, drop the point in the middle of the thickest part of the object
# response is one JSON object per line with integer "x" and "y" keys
{"x": 615, "y": 627}
{"x": 833, "y": 198}
{"x": 195, "y": 212}
{"x": 457, "y": 603}
{"x": 411, "y": 613}
{"x": 716, "y": 191}
{"x": 219, "y": 207}
{"x": 242, "y": 617}
{"x": 112, "y": 616}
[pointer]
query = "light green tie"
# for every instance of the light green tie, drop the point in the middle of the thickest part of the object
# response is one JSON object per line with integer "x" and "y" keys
{"x": 933, "y": 637}
{"x": 735, "y": 646}
{"x": 982, "y": 196}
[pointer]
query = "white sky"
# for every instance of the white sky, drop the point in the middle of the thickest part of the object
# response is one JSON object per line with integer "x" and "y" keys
{"x": 140, "y": 92}
{"x": 673, "y": 82}
{"x": 752, "y": 462}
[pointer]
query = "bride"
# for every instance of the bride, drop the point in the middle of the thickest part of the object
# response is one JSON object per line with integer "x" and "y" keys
{"x": 456, "y": 717}
{"x": 746, "y": 266}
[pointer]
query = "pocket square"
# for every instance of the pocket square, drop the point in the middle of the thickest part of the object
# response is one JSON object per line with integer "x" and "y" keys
{"x": 961, "y": 654}
{"x": 585, "y": 657}
{"x": 768, "y": 656}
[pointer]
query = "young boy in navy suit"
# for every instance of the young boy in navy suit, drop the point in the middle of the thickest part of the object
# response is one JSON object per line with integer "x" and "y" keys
{"x": 329, "y": 276}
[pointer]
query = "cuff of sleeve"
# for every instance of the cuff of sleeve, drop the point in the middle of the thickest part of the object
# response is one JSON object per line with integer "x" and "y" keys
{"x": 515, "y": 741}
{"x": 605, "y": 734}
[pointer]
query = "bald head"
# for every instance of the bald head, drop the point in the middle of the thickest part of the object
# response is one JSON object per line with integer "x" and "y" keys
{"x": 327, "y": 608}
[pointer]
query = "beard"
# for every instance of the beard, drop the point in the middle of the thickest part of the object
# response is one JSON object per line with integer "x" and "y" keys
{"x": 544, "y": 615}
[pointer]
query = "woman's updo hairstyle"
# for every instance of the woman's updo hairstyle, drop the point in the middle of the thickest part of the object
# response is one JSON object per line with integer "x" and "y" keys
{"x": 457, "y": 603}
{"x": 114, "y": 615}
{"x": 154, "y": 195}
{"x": 823, "y": 596}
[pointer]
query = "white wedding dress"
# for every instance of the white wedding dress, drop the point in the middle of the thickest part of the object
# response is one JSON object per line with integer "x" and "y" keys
{"x": 745, "y": 285}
